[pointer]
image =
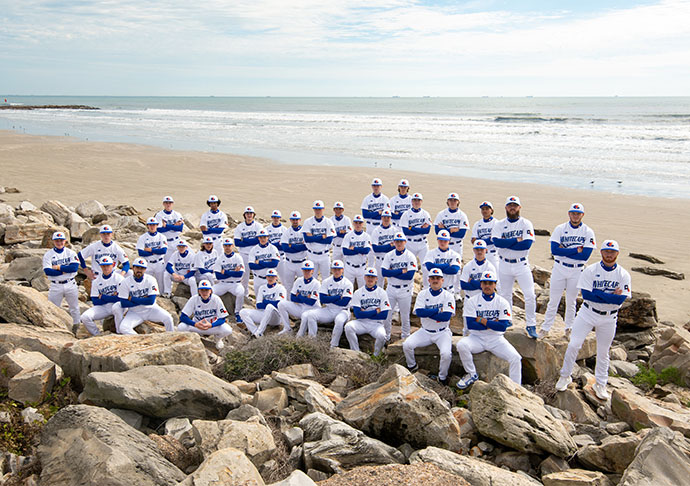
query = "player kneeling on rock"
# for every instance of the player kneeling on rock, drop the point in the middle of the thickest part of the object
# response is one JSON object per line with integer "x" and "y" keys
{"x": 370, "y": 306}
{"x": 487, "y": 316}
{"x": 205, "y": 314}
{"x": 435, "y": 306}
{"x": 104, "y": 297}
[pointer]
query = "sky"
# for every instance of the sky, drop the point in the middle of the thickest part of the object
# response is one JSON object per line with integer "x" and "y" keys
{"x": 345, "y": 48}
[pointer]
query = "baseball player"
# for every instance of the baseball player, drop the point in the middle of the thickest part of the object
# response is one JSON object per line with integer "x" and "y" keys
{"x": 401, "y": 202}
{"x": 292, "y": 244}
{"x": 399, "y": 266}
{"x": 60, "y": 264}
{"x": 266, "y": 312}
{"x": 605, "y": 286}
{"x": 228, "y": 271}
{"x": 319, "y": 232}
{"x": 152, "y": 247}
{"x": 98, "y": 249}
{"x": 482, "y": 230}
{"x": 245, "y": 239}
{"x": 205, "y": 260}
{"x": 356, "y": 248}
{"x": 342, "y": 225}
{"x": 513, "y": 236}
{"x": 571, "y": 246}
{"x": 205, "y": 314}
{"x": 445, "y": 259}
{"x": 371, "y": 308}
{"x": 382, "y": 241}
{"x": 214, "y": 221}
{"x": 373, "y": 205}
{"x": 104, "y": 298}
{"x": 453, "y": 220}
{"x": 472, "y": 272}
{"x": 416, "y": 223}
{"x": 170, "y": 224}
{"x": 137, "y": 294}
{"x": 262, "y": 257}
{"x": 487, "y": 316}
{"x": 435, "y": 307}
{"x": 335, "y": 295}
{"x": 303, "y": 297}
{"x": 180, "y": 268}
{"x": 276, "y": 230}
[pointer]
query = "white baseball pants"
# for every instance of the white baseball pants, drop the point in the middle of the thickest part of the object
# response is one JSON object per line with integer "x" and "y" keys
{"x": 218, "y": 331}
{"x": 338, "y": 251}
{"x": 190, "y": 282}
{"x": 172, "y": 248}
{"x": 312, "y": 318}
{"x": 457, "y": 245}
{"x": 245, "y": 275}
{"x": 322, "y": 263}
{"x": 139, "y": 314}
{"x": 70, "y": 292}
{"x": 420, "y": 249}
{"x": 378, "y": 261}
{"x": 236, "y": 289}
{"x": 562, "y": 278}
{"x": 288, "y": 308}
{"x": 100, "y": 312}
{"x": 157, "y": 270}
{"x": 443, "y": 341}
{"x": 258, "y": 281}
{"x": 520, "y": 271}
{"x": 402, "y": 297}
{"x": 496, "y": 344}
{"x": 492, "y": 257}
{"x": 291, "y": 272}
{"x": 265, "y": 317}
{"x": 355, "y": 274}
{"x": 372, "y": 327}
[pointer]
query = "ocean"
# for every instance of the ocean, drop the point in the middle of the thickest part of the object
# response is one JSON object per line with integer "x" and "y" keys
{"x": 618, "y": 145}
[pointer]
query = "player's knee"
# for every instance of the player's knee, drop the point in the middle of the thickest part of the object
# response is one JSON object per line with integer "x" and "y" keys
{"x": 462, "y": 347}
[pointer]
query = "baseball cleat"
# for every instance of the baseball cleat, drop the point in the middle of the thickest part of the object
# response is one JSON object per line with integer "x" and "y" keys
{"x": 563, "y": 382}
{"x": 600, "y": 391}
{"x": 285, "y": 331}
{"x": 413, "y": 369}
{"x": 436, "y": 378}
{"x": 238, "y": 319}
{"x": 532, "y": 331}
{"x": 220, "y": 344}
{"x": 466, "y": 381}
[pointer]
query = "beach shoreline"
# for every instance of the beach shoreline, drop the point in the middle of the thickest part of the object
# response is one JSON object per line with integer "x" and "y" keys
{"x": 73, "y": 171}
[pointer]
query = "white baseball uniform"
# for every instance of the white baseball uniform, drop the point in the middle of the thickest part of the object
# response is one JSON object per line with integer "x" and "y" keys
{"x": 382, "y": 243}
{"x": 138, "y": 300}
{"x": 197, "y": 309}
{"x": 335, "y": 296}
{"x": 399, "y": 204}
{"x": 399, "y": 268}
{"x": 167, "y": 227}
{"x": 266, "y": 312}
{"x": 456, "y": 223}
{"x": 181, "y": 264}
{"x": 599, "y": 311}
{"x": 411, "y": 223}
{"x": 469, "y": 278}
{"x": 261, "y": 258}
{"x": 275, "y": 234}
{"x": 98, "y": 250}
{"x": 204, "y": 261}
{"x": 319, "y": 243}
{"x": 295, "y": 250}
{"x": 303, "y": 297}
{"x": 156, "y": 257}
{"x": 372, "y": 206}
{"x": 342, "y": 226}
{"x": 448, "y": 262}
{"x": 228, "y": 270}
{"x": 365, "y": 303}
{"x": 482, "y": 230}
{"x": 216, "y": 222}
{"x": 356, "y": 249}
{"x": 490, "y": 337}
{"x": 62, "y": 283}
{"x": 245, "y": 240}
{"x": 105, "y": 302}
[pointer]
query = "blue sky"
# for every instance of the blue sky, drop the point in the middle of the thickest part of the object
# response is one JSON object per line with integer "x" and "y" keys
{"x": 345, "y": 48}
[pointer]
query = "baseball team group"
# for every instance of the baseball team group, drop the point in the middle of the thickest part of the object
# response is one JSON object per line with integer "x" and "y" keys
{"x": 308, "y": 270}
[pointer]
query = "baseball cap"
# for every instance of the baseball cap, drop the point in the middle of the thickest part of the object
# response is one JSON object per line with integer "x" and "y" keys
{"x": 417, "y": 195}
{"x": 295, "y": 215}
{"x": 610, "y": 245}
{"x": 404, "y": 183}
{"x": 182, "y": 243}
{"x": 213, "y": 198}
{"x": 205, "y": 284}
{"x": 376, "y": 182}
{"x": 249, "y": 209}
{"x": 140, "y": 262}
{"x": 370, "y": 272}
{"x": 276, "y": 214}
{"x": 488, "y": 277}
{"x": 106, "y": 260}
{"x": 262, "y": 232}
{"x": 400, "y": 237}
{"x": 106, "y": 229}
{"x": 479, "y": 244}
{"x": 513, "y": 200}
{"x": 318, "y": 204}
{"x": 486, "y": 203}
{"x": 207, "y": 239}
{"x": 152, "y": 221}
{"x": 168, "y": 199}
{"x": 443, "y": 235}
{"x": 338, "y": 205}
{"x": 576, "y": 208}
{"x": 337, "y": 264}
{"x": 271, "y": 272}
{"x": 386, "y": 213}
{"x": 435, "y": 272}
{"x": 228, "y": 241}
{"x": 358, "y": 219}
{"x": 453, "y": 195}
{"x": 308, "y": 265}
{"x": 59, "y": 235}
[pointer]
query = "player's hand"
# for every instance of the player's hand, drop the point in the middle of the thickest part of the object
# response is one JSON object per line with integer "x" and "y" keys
{"x": 404, "y": 270}
{"x": 618, "y": 291}
{"x": 89, "y": 274}
{"x": 147, "y": 249}
{"x": 323, "y": 237}
{"x": 378, "y": 310}
{"x": 579, "y": 249}
{"x": 425, "y": 225}
{"x": 56, "y": 267}
{"x": 561, "y": 246}
{"x": 519, "y": 238}
{"x": 178, "y": 278}
{"x": 203, "y": 228}
{"x": 352, "y": 247}
{"x": 442, "y": 226}
{"x": 308, "y": 234}
{"x": 454, "y": 229}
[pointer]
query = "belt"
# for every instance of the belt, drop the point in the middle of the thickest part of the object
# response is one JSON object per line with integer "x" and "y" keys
{"x": 317, "y": 252}
{"x": 419, "y": 240}
{"x": 492, "y": 251}
{"x": 513, "y": 260}
{"x": 570, "y": 265}
{"x": 155, "y": 261}
{"x": 597, "y": 311}
{"x": 173, "y": 238}
{"x": 380, "y": 257}
{"x": 400, "y": 286}
{"x": 354, "y": 266}
{"x": 295, "y": 261}
{"x": 63, "y": 281}
{"x": 375, "y": 223}
{"x": 437, "y": 330}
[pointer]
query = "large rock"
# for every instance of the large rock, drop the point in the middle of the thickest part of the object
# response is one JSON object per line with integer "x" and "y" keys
{"x": 163, "y": 392}
{"x": 474, "y": 471}
{"x": 57, "y": 210}
{"x": 89, "y": 209}
{"x": 83, "y": 445}
{"x": 573, "y": 402}
{"x": 398, "y": 409}
{"x": 121, "y": 353}
{"x": 638, "y": 312}
{"x": 576, "y": 477}
{"x": 25, "y": 305}
{"x": 21, "y": 232}
{"x": 661, "y": 459}
{"x": 614, "y": 454}
{"x": 516, "y": 417}
{"x": 28, "y": 375}
{"x": 641, "y": 411}
{"x": 672, "y": 349}
{"x": 340, "y": 447}
{"x": 317, "y": 397}
{"x": 26, "y": 269}
{"x": 227, "y": 467}
{"x": 77, "y": 225}
{"x": 296, "y": 478}
{"x": 47, "y": 341}
{"x": 254, "y": 439}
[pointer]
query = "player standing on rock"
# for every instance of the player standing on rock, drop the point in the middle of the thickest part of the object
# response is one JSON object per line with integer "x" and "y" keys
{"x": 356, "y": 248}
{"x": 416, "y": 224}
{"x": 373, "y": 205}
{"x": 382, "y": 241}
{"x": 214, "y": 221}
{"x": 60, "y": 264}
{"x": 342, "y": 225}
{"x": 292, "y": 244}
{"x": 401, "y": 202}
{"x": 152, "y": 246}
{"x": 246, "y": 238}
{"x": 482, "y": 229}
{"x": 399, "y": 266}
{"x": 318, "y": 237}
{"x": 170, "y": 225}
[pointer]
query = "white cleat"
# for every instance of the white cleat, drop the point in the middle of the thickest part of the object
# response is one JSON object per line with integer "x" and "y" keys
{"x": 220, "y": 344}
{"x": 563, "y": 382}
{"x": 285, "y": 331}
{"x": 542, "y": 333}
{"x": 466, "y": 381}
{"x": 600, "y": 391}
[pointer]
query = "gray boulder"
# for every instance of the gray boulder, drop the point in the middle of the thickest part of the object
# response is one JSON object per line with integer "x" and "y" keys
{"x": 614, "y": 454}
{"x": 89, "y": 209}
{"x": 672, "y": 349}
{"x": 25, "y": 305}
{"x": 576, "y": 477}
{"x": 253, "y": 438}
{"x": 227, "y": 467}
{"x": 296, "y": 478}
{"x": 28, "y": 375}
{"x": 57, "y": 210}
{"x": 661, "y": 459}
{"x": 25, "y": 269}
{"x": 47, "y": 341}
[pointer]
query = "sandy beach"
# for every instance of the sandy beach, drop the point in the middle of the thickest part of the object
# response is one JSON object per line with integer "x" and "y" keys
{"x": 73, "y": 171}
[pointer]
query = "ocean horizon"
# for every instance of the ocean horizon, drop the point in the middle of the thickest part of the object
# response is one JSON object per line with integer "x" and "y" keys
{"x": 620, "y": 145}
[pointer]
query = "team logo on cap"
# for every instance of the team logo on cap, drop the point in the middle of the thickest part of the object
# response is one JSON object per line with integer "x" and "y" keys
{"x": 106, "y": 229}
{"x": 207, "y": 239}
{"x": 151, "y": 221}
{"x": 435, "y": 272}
{"x": 271, "y": 272}
{"x": 400, "y": 237}
{"x": 59, "y": 235}
{"x": 338, "y": 205}
{"x": 386, "y": 213}
{"x": 228, "y": 241}
{"x": 358, "y": 219}
{"x": 106, "y": 260}
{"x": 443, "y": 235}
{"x": 417, "y": 195}
{"x": 276, "y": 214}
{"x": 205, "y": 284}
{"x": 248, "y": 209}
{"x": 376, "y": 182}
{"x": 295, "y": 215}
{"x": 488, "y": 277}
{"x": 140, "y": 262}
{"x": 337, "y": 264}
{"x": 610, "y": 245}
{"x": 486, "y": 203}
{"x": 262, "y": 232}
{"x": 403, "y": 183}
{"x": 512, "y": 199}
{"x": 182, "y": 243}
{"x": 453, "y": 195}
{"x": 576, "y": 206}
{"x": 480, "y": 244}
{"x": 212, "y": 198}
{"x": 168, "y": 199}
{"x": 308, "y": 265}
{"x": 370, "y": 272}
{"x": 318, "y": 204}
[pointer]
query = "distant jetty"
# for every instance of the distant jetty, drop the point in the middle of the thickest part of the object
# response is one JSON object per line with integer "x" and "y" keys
{"x": 47, "y": 107}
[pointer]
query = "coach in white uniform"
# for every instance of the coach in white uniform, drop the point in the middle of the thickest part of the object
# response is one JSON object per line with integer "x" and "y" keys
{"x": 152, "y": 247}
{"x": 228, "y": 270}
{"x": 482, "y": 230}
{"x": 214, "y": 221}
{"x": 416, "y": 223}
{"x": 604, "y": 286}
{"x": 303, "y": 297}
{"x": 342, "y": 225}
{"x": 356, "y": 249}
{"x": 571, "y": 246}
{"x": 295, "y": 250}
{"x": 513, "y": 236}
{"x": 266, "y": 312}
{"x": 335, "y": 295}
{"x": 180, "y": 269}
{"x": 382, "y": 241}
{"x": 262, "y": 257}
{"x": 373, "y": 205}
{"x": 318, "y": 237}
{"x": 104, "y": 298}
{"x": 60, "y": 265}
{"x": 99, "y": 249}
{"x": 205, "y": 314}
{"x": 399, "y": 266}
{"x": 170, "y": 225}
{"x": 401, "y": 202}
{"x": 370, "y": 307}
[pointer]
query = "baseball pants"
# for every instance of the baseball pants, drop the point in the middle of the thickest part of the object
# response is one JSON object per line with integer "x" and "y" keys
{"x": 70, "y": 292}
{"x": 605, "y": 329}
{"x": 402, "y": 297}
{"x": 371, "y": 226}
{"x": 291, "y": 271}
{"x": 257, "y": 283}
{"x": 172, "y": 247}
{"x": 218, "y": 331}
{"x": 281, "y": 270}
{"x": 139, "y": 314}
{"x": 378, "y": 261}
{"x": 236, "y": 289}
{"x": 443, "y": 341}
{"x": 355, "y": 274}
{"x": 492, "y": 257}
{"x": 365, "y": 326}
{"x": 562, "y": 278}
{"x": 457, "y": 245}
{"x": 190, "y": 282}
{"x": 497, "y": 345}
{"x": 210, "y": 276}
{"x": 312, "y": 318}
{"x": 322, "y": 263}
{"x": 520, "y": 271}
{"x": 420, "y": 249}
{"x": 338, "y": 251}
{"x": 157, "y": 270}
{"x": 97, "y": 313}
{"x": 245, "y": 275}
{"x": 265, "y": 317}
{"x": 288, "y": 308}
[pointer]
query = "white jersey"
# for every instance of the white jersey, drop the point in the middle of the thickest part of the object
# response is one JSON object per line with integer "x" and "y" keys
{"x": 214, "y": 220}
{"x": 361, "y": 240}
{"x": 483, "y": 229}
{"x": 377, "y": 204}
{"x": 400, "y": 204}
{"x": 169, "y": 218}
{"x": 597, "y": 277}
{"x": 182, "y": 264}
{"x": 263, "y": 254}
{"x": 506, "y": 229}
{"x": 154, "y": 241}
{"x": 568, "y": 237}
{"x": 98, "y": 250}
{"x": 443, "y": 259}
{"x": 367, "y": 299}
{"x": 275, "y": 292}
{"x": 129, "y": 287}
{"x": 341, "y": 288}
{"x": 275, "y": 234}
{"x": 342, "y": 227}
{"x": 106, "y": 286}
{"x": 443, "y": 301}
{"x": 473, "y": 271}
{"x": 205, "y": 260}
{"x": 64, "y": 257}
{"x": 398, "y": 261}
{"x": 294, "y": 236}
{"x": 415, "y": 219}
{"x": 321, "y": 228}
{"x": 383, "y": 236}
{"x": 452, "y": 219}
{"x": 246, "y": 236}
{"x": 496, "y": 309}
{"x": 198, "y": 310}
{"x": 229, "y": 263}
{"x": 309, "y": 289}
